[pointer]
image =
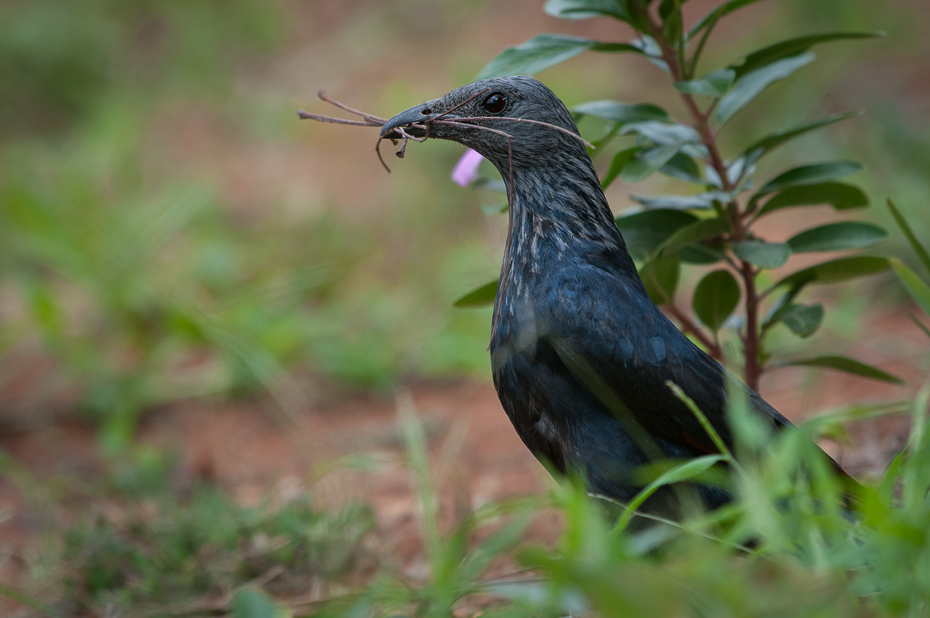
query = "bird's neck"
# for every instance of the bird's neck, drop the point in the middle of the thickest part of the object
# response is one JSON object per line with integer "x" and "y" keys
{"x": 561, "y": 201}
{"x": 557, "y": 213}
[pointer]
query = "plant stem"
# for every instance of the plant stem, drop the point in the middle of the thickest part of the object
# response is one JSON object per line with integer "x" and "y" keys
{"x": 738, "y": 229}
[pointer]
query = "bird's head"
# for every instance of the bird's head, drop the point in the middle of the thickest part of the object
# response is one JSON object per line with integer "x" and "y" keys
{"x": 509, "y": 120}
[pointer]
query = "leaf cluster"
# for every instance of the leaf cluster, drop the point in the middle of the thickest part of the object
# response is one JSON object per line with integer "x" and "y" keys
{"x": 716, "y": 223}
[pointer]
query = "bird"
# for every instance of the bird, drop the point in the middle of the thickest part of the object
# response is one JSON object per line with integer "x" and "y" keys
{"x": 580, "y": 354}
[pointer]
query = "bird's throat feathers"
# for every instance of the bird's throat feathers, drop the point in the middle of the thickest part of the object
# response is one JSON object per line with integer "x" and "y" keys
{"x": 558, "y": 213}
{"x": 559, "y": 205}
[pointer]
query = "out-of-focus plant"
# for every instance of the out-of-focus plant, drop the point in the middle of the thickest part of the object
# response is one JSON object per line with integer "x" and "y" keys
{"x": 918, "y": 289}
{"x": 149, "y": 552}
{"x": 716, "y": 223}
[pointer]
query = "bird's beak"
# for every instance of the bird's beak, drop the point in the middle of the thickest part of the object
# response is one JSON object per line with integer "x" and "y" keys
{"x": 417, "y": 113}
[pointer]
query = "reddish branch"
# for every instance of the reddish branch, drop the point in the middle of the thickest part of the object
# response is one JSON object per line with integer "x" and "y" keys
{"x": 738, "y": 229}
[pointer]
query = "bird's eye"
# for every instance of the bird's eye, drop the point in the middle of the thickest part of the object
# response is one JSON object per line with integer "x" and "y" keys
{"x": 494, "y": 103}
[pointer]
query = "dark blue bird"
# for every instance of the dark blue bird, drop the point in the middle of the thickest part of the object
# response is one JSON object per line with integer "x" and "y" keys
{"x": 581, "y": 355}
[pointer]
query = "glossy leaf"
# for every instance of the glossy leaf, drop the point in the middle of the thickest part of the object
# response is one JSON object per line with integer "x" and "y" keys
{"x": 808, "y": 175}
{"x": 803, "y": 320}
{"x": 701, "y": 200}
{"x": 768, "y": 143}
{"x": 479, "y": 297}
{"x": 915, "y": 286}
{"x": 644, "y": 232}
{"x": 664, "y": 133}
{"x": 622, "y": 113}
{"x": 715, "y": 298}
{"x": 704, "y": 229}
{"x": 647, "y": 161}
{"x": 912, "y": 239}
{"x": 837, "y": 194}
{"x": 837, "y": 237}
{"x": 835, "y": 271}
{"x": 682, "y": 167}
{"x": 714, "y": 84}
{"x": 585, "y": 9}
{"x": 793, "y": 47}
{"x": 749, "y": 85}
{"x": 651, "y": 51}
{"x": 717, "y": 13}
{"x": 617, "y": 164}
{"x": 846, "y": 365}
{"x": 544, "y": 51}
{"x": 762, "y": 254}
{"x": 660, "y": 277}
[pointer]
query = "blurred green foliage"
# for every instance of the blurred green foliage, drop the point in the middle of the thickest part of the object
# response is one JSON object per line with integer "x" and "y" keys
{"x": 159, "y": 554}
{"x": 127, "y": 262}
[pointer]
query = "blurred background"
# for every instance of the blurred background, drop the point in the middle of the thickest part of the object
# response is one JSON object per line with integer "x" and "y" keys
{"x": 207, "y": 307}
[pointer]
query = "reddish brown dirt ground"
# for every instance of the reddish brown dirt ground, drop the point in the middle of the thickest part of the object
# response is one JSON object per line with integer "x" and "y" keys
{"x": 476, "y": 455}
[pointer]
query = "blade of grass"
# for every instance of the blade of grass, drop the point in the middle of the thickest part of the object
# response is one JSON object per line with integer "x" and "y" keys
{"x": 915, "y": 243}
{"x": 714, "y": 436}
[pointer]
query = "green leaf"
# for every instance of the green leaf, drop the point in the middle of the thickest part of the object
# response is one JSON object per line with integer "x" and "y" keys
{"x": 544, "y": 51}
{"x": 484, "y": 295}
{"x": 751, "y": 84}
{"x": 683, "y": 202}
{"x": 622, "y": 113}
{"x": 617, "y": 164}
{"x": 846, "y": 365}
{"x": 916, "y": 245}
{"x": 835, "y": 271}
{"x": 919, "y": 323}
{"x": 838, "y": 194}
{"x": 715, "y": 84}
{"x": 252, "y": 603}
{"x": 540, "y": 52}
{"x": 494, "y": 209}
{"x": 660, "y": 277}
{"x": 672, "y": 21}
{"x": 915, "y": 286}
{"x": 682, "y": 167}
{"x": 793, "y": 47}
{"x": 683, "y": 472}
{"x": 651, "y": 49}
{"x": 586, "y": 9}
{"x": 663, "y": 132}
{"x": 762, "y": 254}
{"x": 717, "y": 13}
{"x": 768, "y": 143}
{"x": 699, "y": 231}
{"x": 808, "y": 175}
{"x": 715, "y": 298}
{"x": 647, "y": 161}
{"x": 490, "y": 184}
{"x": 644, "y": 232}
{"x": 837, "y": 237}
{"x": 803, "y": 320}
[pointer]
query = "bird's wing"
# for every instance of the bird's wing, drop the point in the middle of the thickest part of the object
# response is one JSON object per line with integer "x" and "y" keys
{"x": 617, "y": 342}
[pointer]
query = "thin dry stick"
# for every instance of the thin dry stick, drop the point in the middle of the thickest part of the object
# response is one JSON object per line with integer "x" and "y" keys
{"x": 374, "y": 119}
{"x": 455, "y": 107}
{"x": 370, "y": 120}
{"x": 528, "y": 121}
{"x": 357, "y": 123}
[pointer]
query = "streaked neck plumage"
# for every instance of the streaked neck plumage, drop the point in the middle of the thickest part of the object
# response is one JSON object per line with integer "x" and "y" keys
{"x": 557, "y": 211}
